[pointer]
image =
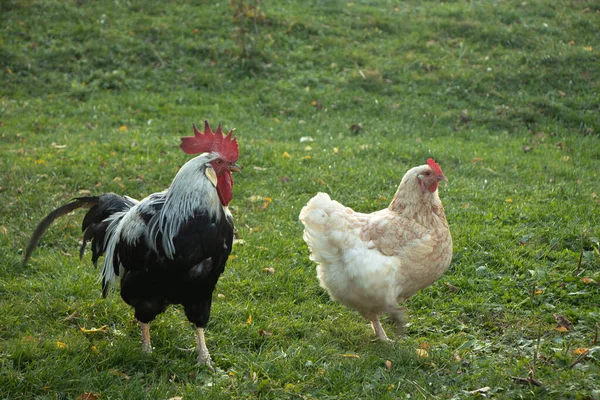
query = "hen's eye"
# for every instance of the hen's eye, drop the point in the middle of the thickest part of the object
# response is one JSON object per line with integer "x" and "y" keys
{"x": 428, "y": 173}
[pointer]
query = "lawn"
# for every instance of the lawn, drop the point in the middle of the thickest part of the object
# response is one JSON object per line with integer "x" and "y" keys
{"x": 335, "y": 96}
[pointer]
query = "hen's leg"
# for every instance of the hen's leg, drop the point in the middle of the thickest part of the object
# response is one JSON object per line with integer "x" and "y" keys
{"x": 378, "y": 329}
{"x": 146, "y": 345}
{"x": 202, "y": 350}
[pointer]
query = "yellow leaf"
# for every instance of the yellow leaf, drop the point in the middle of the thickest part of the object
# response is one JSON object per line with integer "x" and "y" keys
{"x": 561, "y": 329}
{"x": 350, "y": 355}
{"x": 286, "y": 154}
{"x": 307, "y": 157}
{"x": 588, "y": 48}
{"x": 249, "y": 320}
{"x": 587, "y": 280}
{"x": 102, "y": 329}
{"x": 388, "y": 365}
{"x": 85, "y": 192}
{"x": 336, "y": 150}
{"x": 540, "y": 291}
{"x": 308, "y": 148}
{"x": 565, "y": 158}
{"x": 422, "y": 353}
{"x": 9, "y": 71}
{"x": 39, "y": 161}
{"x": 581, "y": 350}
{"x": 123, "y": 128}
{"x": 276, "y": 119}
{"x": 220, "y": 296}
{"x": 509, "y": 200}
{"x": 571, "y": 43}
{"x": 62, "y": 345}
{"x": 269, "y": 270}
{"x": 94, "y": 350}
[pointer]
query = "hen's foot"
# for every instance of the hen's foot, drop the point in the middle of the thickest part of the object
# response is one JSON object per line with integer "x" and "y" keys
{"x": 202, "y": 350}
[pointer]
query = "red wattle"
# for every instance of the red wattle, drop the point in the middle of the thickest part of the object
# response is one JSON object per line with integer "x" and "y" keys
{"x": 225, "y": 187}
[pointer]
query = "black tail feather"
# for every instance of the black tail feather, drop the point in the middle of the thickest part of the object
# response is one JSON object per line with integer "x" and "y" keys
{"x": 50, "y": 218}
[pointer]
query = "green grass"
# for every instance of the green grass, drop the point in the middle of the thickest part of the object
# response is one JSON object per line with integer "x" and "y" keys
{"x": 504, "y": 94}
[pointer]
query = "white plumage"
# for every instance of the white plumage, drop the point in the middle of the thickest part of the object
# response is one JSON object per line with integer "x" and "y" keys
{"x": 371, "y": 262}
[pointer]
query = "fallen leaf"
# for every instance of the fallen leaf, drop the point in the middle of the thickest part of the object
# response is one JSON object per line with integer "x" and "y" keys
{"x": 587, "y": 280}
{"x": 176, "y": 398}
{"x": 220, "y": 296}
{"x": 477, "y": 160}
{"x": 62, "y": 345}
{"x": 269, "y": 270}
{"x": 121, "y": 374}
{"x": 286, "y": 155}
{"x": 9, "y": 71}
{"x": 123, "y": 128}
{"x": 336, "y": 150}
{"x": 94, "y": 350}
{"x": 268, "y": 201}
{"x": 388, "y": 365}
{"x": 481, "y": 390}
{"x": 306, "y": 139}
{"x": 588, "y": 48}
{"x": 562, "y": 323}
{"x": 102, "y": 329}
{"x": 284, "y": 179}
{"x": 259, "y": 168}
{"x": 88, "y": 396}
{"x": 308, "y": 148}
{"x": 58, "y": 146}
{"x": 249, "y": 320}
{"x": 561, "y": 329}
{"x": 422, "y": 353}
{"x": 425, "y": 346}
{"x": 563, "y": 94}
{"x": 571, "y": 43}
{"x": 350, "y": 355}
{"x": 85, "y": 192}
{"x": 509, "y": 200}
{"x": 465, "y": 205}
{"x": 453, "y": 288}
{"x": 539, "y": 291}
{"x": 264, "y": 333}
{"x": 581, "y": 350}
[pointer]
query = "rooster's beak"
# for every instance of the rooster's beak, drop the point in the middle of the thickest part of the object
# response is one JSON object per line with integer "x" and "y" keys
{"x": 235, "y": 168}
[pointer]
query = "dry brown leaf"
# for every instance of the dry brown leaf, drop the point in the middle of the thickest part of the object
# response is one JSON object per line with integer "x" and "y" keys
{"x": 561, "y": 329}
{"x": 123, "y": 128}
{"x": 587, "y": 280}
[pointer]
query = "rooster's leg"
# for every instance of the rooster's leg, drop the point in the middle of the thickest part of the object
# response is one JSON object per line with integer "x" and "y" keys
{"x": 378, "y": 329}
{"x": 146, "y": 345}
{"x": 203, "y": 354}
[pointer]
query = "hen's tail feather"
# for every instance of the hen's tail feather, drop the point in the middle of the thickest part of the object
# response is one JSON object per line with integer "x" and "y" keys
{"x": 79, "y": 202}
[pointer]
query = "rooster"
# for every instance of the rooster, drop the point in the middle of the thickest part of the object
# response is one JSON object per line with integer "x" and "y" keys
{"x": 172, "y": 246}
{"x": 372, "y": 262}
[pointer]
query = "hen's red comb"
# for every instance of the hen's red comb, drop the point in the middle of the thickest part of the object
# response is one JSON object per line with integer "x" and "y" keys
{"x": 209, "y": 142}
{"x": 433, "y": 165}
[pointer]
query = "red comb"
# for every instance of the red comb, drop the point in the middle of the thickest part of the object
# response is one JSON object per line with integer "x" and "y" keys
{"x": 433, "y": 165}
{"x": 208, "y": 142}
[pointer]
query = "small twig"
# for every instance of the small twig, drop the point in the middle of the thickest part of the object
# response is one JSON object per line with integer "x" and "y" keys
{"x": 579, "y": 263}
{"x": 530, "y": 380}
{"x": 595, "y": 341}
{"x": 579, "y": 359}
{"x": 532, "y": 293}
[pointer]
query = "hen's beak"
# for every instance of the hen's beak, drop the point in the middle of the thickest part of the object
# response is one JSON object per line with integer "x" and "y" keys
{"x": 442, "y": 177}
{"x": 235, "y": 168}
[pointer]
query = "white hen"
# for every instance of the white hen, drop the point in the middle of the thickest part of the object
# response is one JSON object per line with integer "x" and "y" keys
{"x": 372, "y": 262}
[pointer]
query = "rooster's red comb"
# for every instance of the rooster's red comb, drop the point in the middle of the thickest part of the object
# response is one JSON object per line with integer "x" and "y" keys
{"x": 209, "y": 142}
{"x": 434, "y": 166}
